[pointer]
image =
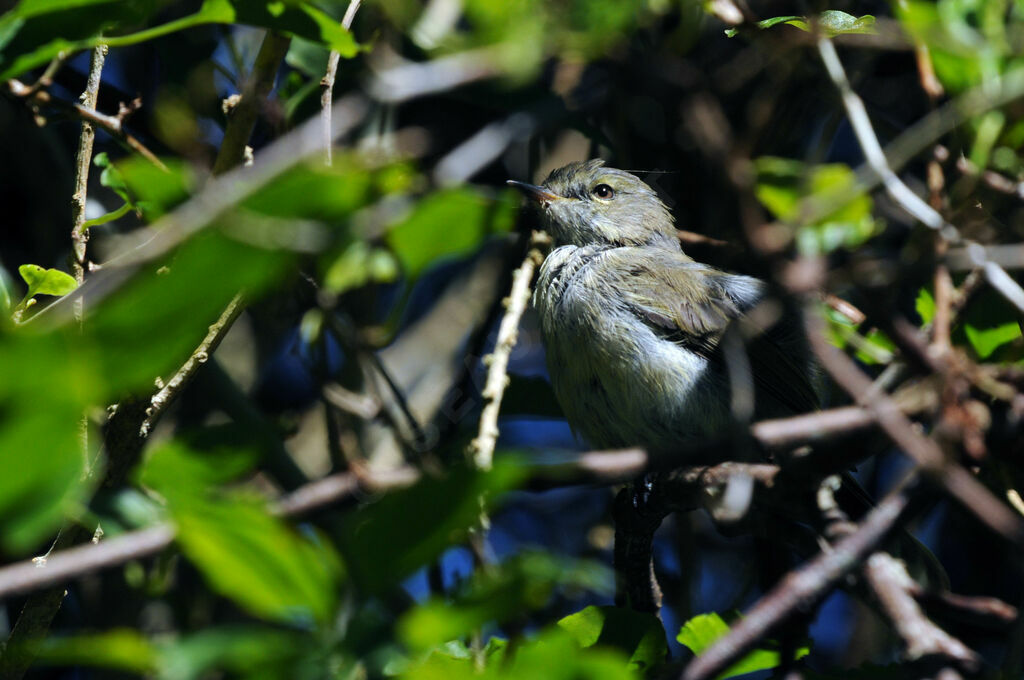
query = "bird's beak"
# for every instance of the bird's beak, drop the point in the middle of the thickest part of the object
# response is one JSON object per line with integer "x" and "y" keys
{"x": 539, "y": 194}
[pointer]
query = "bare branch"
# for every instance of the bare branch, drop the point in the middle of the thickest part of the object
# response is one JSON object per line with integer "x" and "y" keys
{"x": 482, "y": 448}
{"x": 873, "y": 153}
{"x": 113, "y": 125}
{"x": 327, "y": 82}
{"x": 954, "y": 479}
{"x": 243, "y": 113}
{"x": 801, "y": 588}
{"x": 893, "y": 586}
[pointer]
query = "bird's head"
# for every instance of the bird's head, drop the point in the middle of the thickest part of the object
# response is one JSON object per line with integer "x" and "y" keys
{"x": 586, "y": 203}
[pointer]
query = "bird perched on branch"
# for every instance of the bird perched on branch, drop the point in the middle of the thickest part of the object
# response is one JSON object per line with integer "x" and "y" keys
{"x": 645, "y": 346}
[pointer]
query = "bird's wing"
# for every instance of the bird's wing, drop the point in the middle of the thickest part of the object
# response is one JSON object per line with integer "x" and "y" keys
{"x": 692, "y": 304}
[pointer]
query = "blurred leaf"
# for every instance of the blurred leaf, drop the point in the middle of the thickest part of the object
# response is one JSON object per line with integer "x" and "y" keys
{"x": 517, "y": 586}
{"x": 552, "y": 655}
{"x": 242, "y": 651}
{"x": 986, "y": 133}
{"x": 43, "y": 281}
{"x": 257, "y": 560}
{"x": 244, "y": 552}
{"x": 447, "y": 223}
{"x": 925, "y": 305}
{"x": 36, "y": 31}
{"x": 360, "y": 264}
{"x": 832, "y": 22}
{"x": 641, "y": 635}
{"x": 174, "y": 463}
{"x": 787, "y": 188}
{"x": 704, "y": 629}
{"x": 330, "y": 193}
{"x": 150, "y": 189}
{"x": 388, "y": 539}
{"x": 160, "y": 316}
{"x": 123, "y": 649}
{"x": 48, "y": 382}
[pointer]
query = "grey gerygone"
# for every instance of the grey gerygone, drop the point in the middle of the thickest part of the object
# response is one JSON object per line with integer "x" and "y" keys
{"x": 634, "y": 329}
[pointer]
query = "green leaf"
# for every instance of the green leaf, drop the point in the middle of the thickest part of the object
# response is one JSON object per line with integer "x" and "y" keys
{"x": 703, "y": 630}
{"x": 521, "y": 584}
{"x": 360, "y": 264}
{"x": 639, "y": 634}
{"x": 123, "y": 649}
{"x": 244, "y": 552}
{"x": 989, "y": 322}
{"x": 385, "y": 541}
{"x": 832, "y": 22}
{"x": 111, "y": 177}
{"x": 36, "y": 31}
{"x": 156, "y": 319}
{"x": 925, "y": 305}
{"x": 835, "y": 22}
{"x": 552, "y": 655}
{"x": 43, "y": 281}
{"x": 792, "y": 190}
{"x": 240, "y": 651}
{"x": 49, "y": 380}
{"x": 449, "y": 223}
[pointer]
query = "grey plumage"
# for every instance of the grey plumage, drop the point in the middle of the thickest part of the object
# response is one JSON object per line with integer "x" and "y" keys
{"x": 632, "y": 326}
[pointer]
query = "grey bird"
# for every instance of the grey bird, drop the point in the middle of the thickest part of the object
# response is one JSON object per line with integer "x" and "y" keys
{"x": 633, "y": 327}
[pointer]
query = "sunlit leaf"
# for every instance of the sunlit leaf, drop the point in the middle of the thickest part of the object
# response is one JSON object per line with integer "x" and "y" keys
{"x": 792, "y": 190}
{"x": 42, "y": 281}
{"x": 703, "y": 630}
{"x": 520, "y": 585}
{"x": 121, "y": 649}
{"x": 447, "y": 223}
{"x": 832, "y": 22}
{"x": 640, "y": 635}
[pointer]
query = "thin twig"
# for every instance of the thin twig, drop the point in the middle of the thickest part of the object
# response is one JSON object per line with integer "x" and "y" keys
{"x": 245, "y": 110}
{"x": 921, "y": 637}
{"x": 83, "y": 161}
{"x": 957, "y": 481}
{"x": 113, "y": 125}
{"x": 873, "y": 153}
{"x": 327, "y": 83}
{"x": 482, "y": 448}
{"x": 801, "y": 588}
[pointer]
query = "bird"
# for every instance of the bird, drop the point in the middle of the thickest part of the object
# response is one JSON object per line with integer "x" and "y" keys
{"x": 636, "y": 332}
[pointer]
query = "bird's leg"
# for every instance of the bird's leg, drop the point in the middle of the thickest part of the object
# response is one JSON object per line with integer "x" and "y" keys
{"x": 638, "y": 512}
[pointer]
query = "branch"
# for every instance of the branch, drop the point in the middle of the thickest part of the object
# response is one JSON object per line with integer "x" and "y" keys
{"x": 83, "y": 160}
{"x": 244, "y": 111}
{"x": 895, "y": 589}
{"x": 801, "y": 588}
{"x": 327, "y": 82}
{"x": 873, "y": 153}
{"x": 482, "y": 448}
{"x": 956, "y": 481}
{"x": 113, "y": 125}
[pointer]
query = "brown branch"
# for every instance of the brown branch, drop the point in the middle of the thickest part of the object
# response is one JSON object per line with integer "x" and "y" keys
{"x": 83, "y": 160}
{"x": 113, "y": 125}
{"x": 327, "y": 82}
{"x": 952, "y": 477}
{"x": 921, "y": 637}
{"x": 801, "y": 588}
{"x": 245, "y": 110}
{"x": 482, "y": 448}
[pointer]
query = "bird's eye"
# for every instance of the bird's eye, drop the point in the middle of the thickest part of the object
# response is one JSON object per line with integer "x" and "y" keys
{"x": 603, "y": 191}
